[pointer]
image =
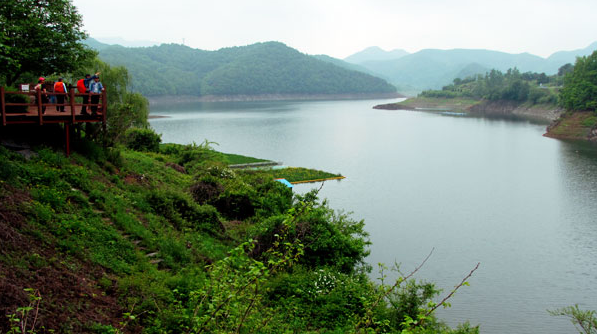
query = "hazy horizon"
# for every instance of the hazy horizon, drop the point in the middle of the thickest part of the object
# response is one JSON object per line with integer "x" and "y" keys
{"x": 146, "y": 43}
{"x": 342, "y": 28}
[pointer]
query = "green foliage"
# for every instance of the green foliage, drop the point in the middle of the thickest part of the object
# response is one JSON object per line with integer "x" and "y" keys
{"x": 24, "y": 320}
{"x": 495, "y": 85}
{"x": 333, "y": 298}
{"x": 233, "y": 159}
{"x": 153, "y": 240}
{"x": 183, "y": 213}
{"x": 580, "y": 85}
{"x": 40, "y": 37}
{"x": 142, "y": 139}
{"x": 235, "y": 296}
{"x": 565, "y": 69}
{"x": 585, "y": 321}
{"x": 407, "y": 301}
{"x": 263, "y": 68}
{"x": 206, "y": 190}
{"x": 331, "y": 240}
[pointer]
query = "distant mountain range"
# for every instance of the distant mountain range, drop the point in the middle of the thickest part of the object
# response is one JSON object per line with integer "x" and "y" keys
{"x": 375, "y": 53}
{"x": 260, "y": 69}
{"x": 432, "y": 68}
{"x": 274, "y": 68}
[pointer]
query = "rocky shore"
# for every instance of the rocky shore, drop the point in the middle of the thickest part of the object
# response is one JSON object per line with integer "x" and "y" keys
{"x": 546, "y": 113}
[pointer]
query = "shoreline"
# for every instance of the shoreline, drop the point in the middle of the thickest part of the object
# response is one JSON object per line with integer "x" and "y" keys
{"x": 547, "y": 113}
{"x": 169, "y": 99}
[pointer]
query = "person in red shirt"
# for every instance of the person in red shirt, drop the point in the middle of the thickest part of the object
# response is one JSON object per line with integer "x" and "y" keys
{"x": 60, "y": 87}
{"x": 83, "y": 87}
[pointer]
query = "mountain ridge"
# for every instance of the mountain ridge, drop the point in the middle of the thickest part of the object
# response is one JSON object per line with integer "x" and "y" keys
{"x": 256, "y": 69}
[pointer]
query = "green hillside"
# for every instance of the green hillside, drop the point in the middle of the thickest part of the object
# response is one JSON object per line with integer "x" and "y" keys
{"x": 263, "y": 68}
{"x": 173, "y": 241}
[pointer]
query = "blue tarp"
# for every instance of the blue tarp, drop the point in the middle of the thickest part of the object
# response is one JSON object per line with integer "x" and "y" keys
{"x": 285, "y": 182}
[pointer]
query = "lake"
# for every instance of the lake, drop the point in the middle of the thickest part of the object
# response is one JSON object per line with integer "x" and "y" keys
{"x": 472, "y": 189}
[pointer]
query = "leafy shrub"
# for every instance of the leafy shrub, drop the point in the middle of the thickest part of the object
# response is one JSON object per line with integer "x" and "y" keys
{"x": 408, "y": 300}
{"x": 52, "y": 158}
{"x": 327, "y": 298}
{"x": 275, "y": 199}
{"x": 238, "y": 201}
{"x": 182, "y": 213}
{"x": 206, "y": 190}
{"x": 143, "y": 140}
{"x": 331, "y": 240}
{"x": 90, "y": 149}
{"x": 114, "y": 156}
{"x": 8, "y": 170}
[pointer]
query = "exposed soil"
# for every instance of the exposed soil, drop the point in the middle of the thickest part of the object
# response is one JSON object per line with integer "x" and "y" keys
{"x": 548, "y": 113}
{"x": 71, "y": 298}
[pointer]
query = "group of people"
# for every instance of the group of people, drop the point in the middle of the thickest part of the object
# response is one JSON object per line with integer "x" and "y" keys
{"x": 90, "y": 84}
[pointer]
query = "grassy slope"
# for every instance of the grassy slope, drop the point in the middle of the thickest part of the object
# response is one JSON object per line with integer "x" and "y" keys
{"x": 102, "y": 237}
{"x": 576, "y": 125}
{"x": 84, "y": 235}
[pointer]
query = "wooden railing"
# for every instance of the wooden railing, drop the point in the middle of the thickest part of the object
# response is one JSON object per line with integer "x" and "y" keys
{"x": 33, "y": 111}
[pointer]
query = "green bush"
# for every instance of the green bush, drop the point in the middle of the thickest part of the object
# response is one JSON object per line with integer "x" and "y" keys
{"x": 327, "y": 298}
{"x": 182, "y": 213}
{"x": 143, "y": 140}
{"x": 206, "y": 190}
{"x": 238, "y": 201}
{"x": 331, "y": 240}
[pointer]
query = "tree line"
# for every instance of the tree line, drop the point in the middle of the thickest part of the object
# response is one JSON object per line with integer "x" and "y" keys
{"x": 574, "y": 87}
{"x": 536, "y": 88}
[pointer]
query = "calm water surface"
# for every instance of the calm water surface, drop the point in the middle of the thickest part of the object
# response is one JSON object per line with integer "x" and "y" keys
{"x": 474, "y": 189}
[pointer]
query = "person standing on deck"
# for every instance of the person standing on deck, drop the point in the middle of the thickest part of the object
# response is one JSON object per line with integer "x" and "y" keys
{"x": 60, "y": 87}
{"x": 95, "y": 88}
{"x": 83, "y": 88}
{"x": 44, "y": 94}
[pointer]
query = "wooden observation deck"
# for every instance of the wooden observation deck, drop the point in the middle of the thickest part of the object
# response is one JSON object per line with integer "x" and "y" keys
{"x": 32, "y": 112}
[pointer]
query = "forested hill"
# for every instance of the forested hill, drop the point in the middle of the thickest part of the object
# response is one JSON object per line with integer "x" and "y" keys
{"x": 262, "y": 68}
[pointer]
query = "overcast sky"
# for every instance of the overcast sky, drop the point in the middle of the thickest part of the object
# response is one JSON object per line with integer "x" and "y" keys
{"x": 340, "y": 28}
